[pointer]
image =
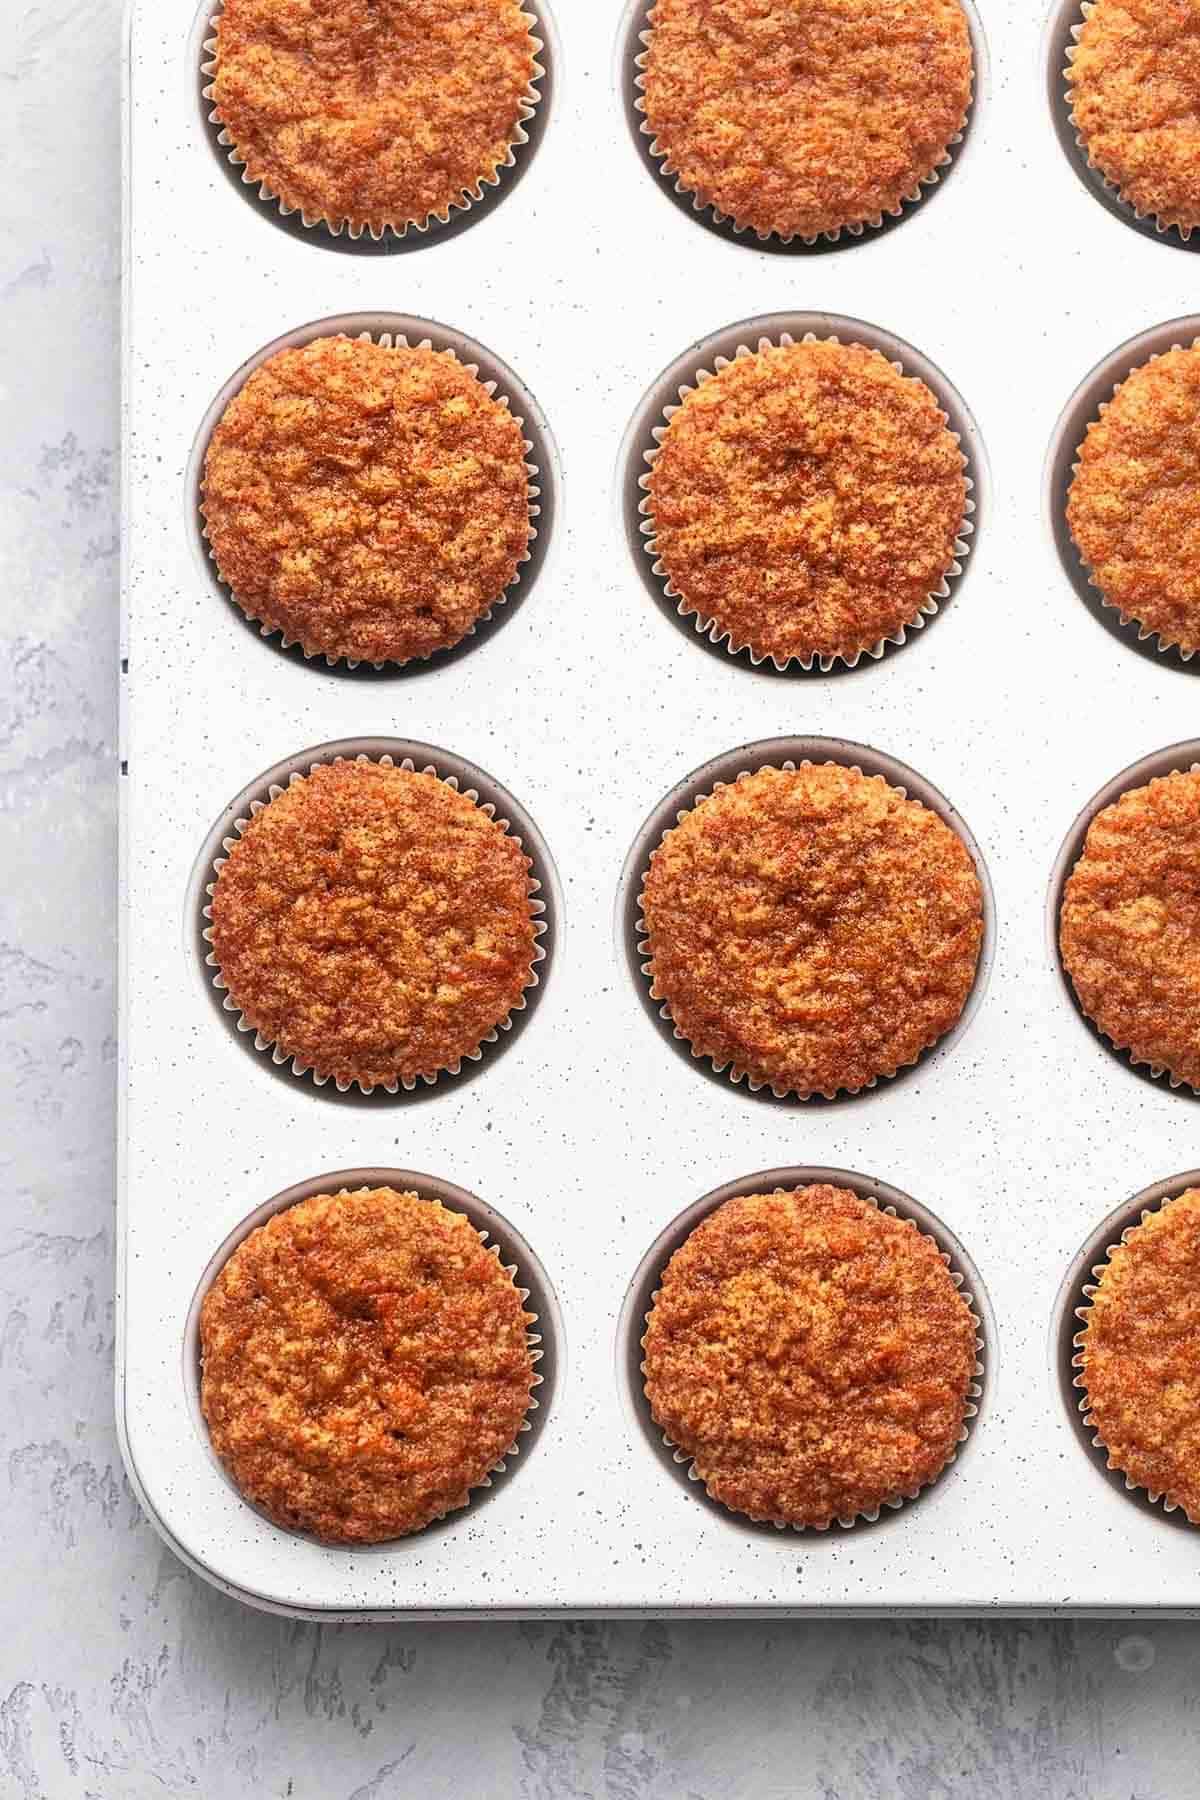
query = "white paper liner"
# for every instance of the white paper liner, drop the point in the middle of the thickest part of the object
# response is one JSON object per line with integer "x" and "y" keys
{"x": 1155, "y": 1070}
{"x": 388, "y": 340}
{"x": 711, "y": 628}
{"x": 670, "y": 174}
{"x": 298, "y": 1066}
{"x": 1112, "y": 190}
{"x": 736, "y": 1075}
{"x": 1144, "y": 633}
{"x": 533, "y": 1340}
{"x": 893, "y": 1501}
{"x": 469, "y": 197}
{"x": 1080, "y": 1380}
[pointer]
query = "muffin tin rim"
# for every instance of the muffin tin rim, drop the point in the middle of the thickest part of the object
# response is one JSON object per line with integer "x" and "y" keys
{"x": 546, "y": 1337}
{"x": 646, "y": 1279}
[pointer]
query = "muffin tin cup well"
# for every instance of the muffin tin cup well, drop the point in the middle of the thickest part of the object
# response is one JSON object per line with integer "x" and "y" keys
{"x": 1089, "y": 400}
{"x": 1175, "y": 759}
{"x": 313, "y": 228}
{"x": 643, "y": 1292}
{"x": 1057, "y": 54}
{"x": 544, "y": 1334}
{"x": 644, "y": 436}
{"x": 633, "y": 37}
{"x": 501, "y": 382}
{"x": 464, "y": 777}
{"x": 735, "y": 765}
{"x": 1070, "y": 1312}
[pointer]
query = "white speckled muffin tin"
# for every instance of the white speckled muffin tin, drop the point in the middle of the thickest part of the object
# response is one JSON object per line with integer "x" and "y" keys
{"x": 581, "y": 1146}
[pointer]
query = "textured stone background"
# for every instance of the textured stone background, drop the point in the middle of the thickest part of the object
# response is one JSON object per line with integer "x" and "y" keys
{"x": 121, "y": 1676}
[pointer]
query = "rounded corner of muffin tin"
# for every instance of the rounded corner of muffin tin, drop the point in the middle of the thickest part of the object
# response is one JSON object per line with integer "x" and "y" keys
{"x": 723, "y": 769}
{"x": 634, "y": 23}
{"x": 545, "y": 496}
{"x": 639, "y": 1299}
{"x": 1093, "y": 392}
{"x": 1170, "y": 760}
{"x": 1066, "y": 1324}
{"x": 545, "y": 897}
{"x": 524, "y": 150}
{"x": 1056, "y": 44}
{"x": 639, "y": 444}
{"x": 547, "y": 1336}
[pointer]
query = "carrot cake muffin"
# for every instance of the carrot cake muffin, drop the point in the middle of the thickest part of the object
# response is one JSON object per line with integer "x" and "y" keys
{"x": 808, "y": 500}
{"x": 813, "y": 928}
{"x": 369, "y": 502}
{"x": 1134, "y": 88}
{"x": 374, "y": 924}
{"x": 365, "y": 1363}
{"x": 1140, "y": 1355}
{"x": 811, "y": 1354}
{"x": 374, "y": 114}
{"x": 798, "y": 120}
{"x": 1129, "y": 932}
{"x": 1134, "y": 504}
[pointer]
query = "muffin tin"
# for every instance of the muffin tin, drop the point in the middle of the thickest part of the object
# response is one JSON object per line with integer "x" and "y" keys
{"x": 584, "y": 706}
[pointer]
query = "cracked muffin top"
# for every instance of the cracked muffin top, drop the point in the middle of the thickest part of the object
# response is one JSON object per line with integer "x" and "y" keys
{"x": 813, "y": 928}
{"x": 1134, "y": 503}
{"x": 368, "y": 502}
{"x": 372, "y": 113}
{"x": 365, "y": 1363}
{"x": 1129, "y": 930}
{"x": 798, "y": 120}
{"x": 1140, "y": 1354}
{"x": 1134, "y": 87}
{"x": 811, "y": 1353}
{"x": 374, "y": 924}
{"x": 807, "y": 498}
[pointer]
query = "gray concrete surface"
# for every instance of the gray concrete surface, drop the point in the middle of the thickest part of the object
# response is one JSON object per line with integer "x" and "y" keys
{"x": 121, "y": 1676}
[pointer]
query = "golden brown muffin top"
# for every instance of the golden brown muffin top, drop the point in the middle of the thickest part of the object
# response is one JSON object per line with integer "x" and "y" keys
{"x": 1134, "y": 504}
{"x": 812, "y": 927}
{"x": 1140, "y": 1354}
{"x": 374, "y": 923}
{"x": 365, "y": 1364}
{"x": 372, "y": 113}
{"x": 808, "y": 499}
{"x": 1134, "y": 85}
{"x": 1130, "y": 925}
{"x": 812, "y": 1355}
{"x": 369, "y": 503}
{"x": 803, "y": 119}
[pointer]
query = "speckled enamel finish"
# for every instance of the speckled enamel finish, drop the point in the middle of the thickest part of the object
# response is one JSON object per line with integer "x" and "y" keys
{"x": 589, "y": 1135}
